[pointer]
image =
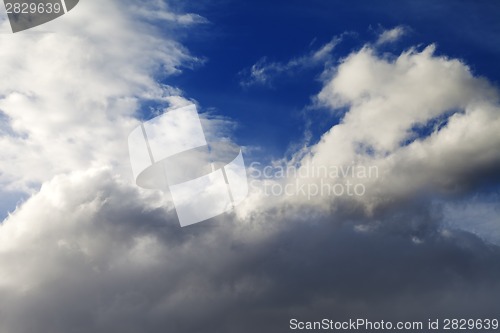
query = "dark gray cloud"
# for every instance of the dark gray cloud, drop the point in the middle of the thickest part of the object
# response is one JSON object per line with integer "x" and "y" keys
{"x": 103, "y": 258}
{"x": 90, "y": 252}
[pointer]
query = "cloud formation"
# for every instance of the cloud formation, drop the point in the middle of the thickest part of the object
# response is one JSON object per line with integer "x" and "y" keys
{"x": 424, "y": 120}
{"x": 265, "y": 72}
{"x": 391, "y": 35}
{"x": 69, "y": 101}
{"x": 90, "y": 252}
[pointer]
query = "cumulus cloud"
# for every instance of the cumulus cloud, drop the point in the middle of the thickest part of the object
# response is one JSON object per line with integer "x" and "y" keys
{"x": 430, "y": 127}
{"x": 409, "y": 124}
{"x": 90, "y": 252}
{"x": 425, "y": 121}
{"x": 69, "y": 101}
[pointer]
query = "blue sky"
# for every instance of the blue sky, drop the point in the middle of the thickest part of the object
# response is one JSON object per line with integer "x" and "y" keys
{"x": 239, "y": 33}
{"x": 408, "y": 88}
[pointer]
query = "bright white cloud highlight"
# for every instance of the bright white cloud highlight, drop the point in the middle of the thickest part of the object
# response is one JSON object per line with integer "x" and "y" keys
{"x": 425, "y": 121}
{"x": 71, "y": 90}
{"x": 391, "y": 35}
{"x": 91, "y": 252}
{"x": 264, "y": 72}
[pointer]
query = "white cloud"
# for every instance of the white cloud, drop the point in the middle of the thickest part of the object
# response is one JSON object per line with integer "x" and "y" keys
{"x": 90, "y": 252}
{"x": 391, "y": 35}
{"x": 71, "y": 97}
{"x": 387, "y": 98}
{"x": 264, "y": 72}
{"x": 159, "y": 9}
{"x": 425, "y": 121}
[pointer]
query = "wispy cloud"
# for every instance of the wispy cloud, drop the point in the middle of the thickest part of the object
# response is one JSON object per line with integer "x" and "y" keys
{"x": 264, "y": 72}
{"x": 391, "y": 35}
